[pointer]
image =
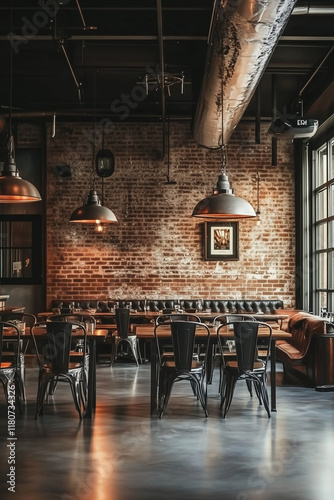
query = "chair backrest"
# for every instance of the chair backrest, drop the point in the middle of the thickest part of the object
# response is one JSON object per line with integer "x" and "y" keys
{"x": 183, "y": 338}
{"x": 163, "y": 318}
{"x": 122, "y": 316}
{"x": 245, "y": 335}
{"x": 28, "y": 318}
{"x": 57, "y": 343}
{"x": 76, "y": 317}
{"x": 14, "y": 341}
{"x": 86, "y": 319}
{"x": 228, "y": 318}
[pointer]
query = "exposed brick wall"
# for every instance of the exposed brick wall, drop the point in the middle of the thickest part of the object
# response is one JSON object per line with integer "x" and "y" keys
{"x": 155, "y": 250}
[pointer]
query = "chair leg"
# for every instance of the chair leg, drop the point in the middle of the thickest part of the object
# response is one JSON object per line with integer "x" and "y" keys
{"x": 230, "y": 386}
{"x": 168, "y": 385}
{"x": 202, "y": 393}
{"x": 264, "y": 394}
{"x": 134, "y": 349}
{"x": 249, "y": 387}
{"x": 42, "y": 387}
{"x": 75, "y": 388}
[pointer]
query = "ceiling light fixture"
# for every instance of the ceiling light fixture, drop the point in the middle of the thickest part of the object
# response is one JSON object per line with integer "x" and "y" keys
{"x": 223, "y": 204}
{"x": 13, "y": 189}
{"x": 93, "y": 212}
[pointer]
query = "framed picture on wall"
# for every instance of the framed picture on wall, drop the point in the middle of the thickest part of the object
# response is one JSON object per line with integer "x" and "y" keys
{"x": 221, "y": 241}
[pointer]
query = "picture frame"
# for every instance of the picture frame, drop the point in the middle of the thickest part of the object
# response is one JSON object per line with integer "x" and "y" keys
{"x": 221, "y": 241}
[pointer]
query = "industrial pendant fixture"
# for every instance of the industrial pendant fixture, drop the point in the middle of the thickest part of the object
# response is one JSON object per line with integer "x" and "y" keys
{"x": 93, "y": 212}
{"x": 13, "y": 189}
{"x": 223, "y": 204}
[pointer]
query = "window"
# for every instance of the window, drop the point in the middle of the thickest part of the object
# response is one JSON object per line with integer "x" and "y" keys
{"x": 323, "y": 227}
{"x": 20, "y": 249}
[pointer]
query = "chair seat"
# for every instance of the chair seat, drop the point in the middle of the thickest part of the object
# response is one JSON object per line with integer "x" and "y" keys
{"x": 71, "y": 366}
{"x": 131, "y": 336}
{"x": 234, "y": 365}
{"x": 6, "y": 365}
{"x": 195, "y": 365}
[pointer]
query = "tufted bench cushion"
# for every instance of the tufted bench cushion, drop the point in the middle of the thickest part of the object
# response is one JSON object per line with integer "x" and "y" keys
{"x": 214, "y": 305}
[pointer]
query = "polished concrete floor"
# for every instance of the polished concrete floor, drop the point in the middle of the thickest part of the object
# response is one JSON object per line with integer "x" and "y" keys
{"x": 124, "y": 454}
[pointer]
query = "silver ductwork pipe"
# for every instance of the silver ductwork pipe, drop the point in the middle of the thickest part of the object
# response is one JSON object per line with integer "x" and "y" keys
{"x": 322, "y": 10}
{"x": 243, "y": 36}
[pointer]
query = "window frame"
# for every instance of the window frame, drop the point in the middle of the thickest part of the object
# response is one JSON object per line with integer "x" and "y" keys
{"x": 36, "y": 249}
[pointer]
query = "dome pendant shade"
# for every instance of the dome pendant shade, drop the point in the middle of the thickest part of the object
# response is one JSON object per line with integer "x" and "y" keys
{"x": 223, "y": 204}
{"x": 93, "y": 212}
{"x": 13, "y": 189}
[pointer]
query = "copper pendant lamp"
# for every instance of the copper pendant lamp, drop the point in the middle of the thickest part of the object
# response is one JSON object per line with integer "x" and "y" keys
{"x": 93, "y": 212}
{"x": 13, "y": 189}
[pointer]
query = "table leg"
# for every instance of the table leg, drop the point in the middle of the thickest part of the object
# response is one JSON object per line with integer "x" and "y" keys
{"x": 91, "y": 396}
{"x": 273, "y": 373}
{"x": 154, "y": 377}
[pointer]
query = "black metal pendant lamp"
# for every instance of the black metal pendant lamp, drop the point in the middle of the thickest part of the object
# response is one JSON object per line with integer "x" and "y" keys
{"x": 223, "y": 204}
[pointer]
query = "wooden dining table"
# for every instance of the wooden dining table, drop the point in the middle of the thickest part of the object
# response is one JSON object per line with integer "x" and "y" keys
{"x": 146, "y": 333}
{"x": 150, "y": 316}
{"x": 92, "y": 338}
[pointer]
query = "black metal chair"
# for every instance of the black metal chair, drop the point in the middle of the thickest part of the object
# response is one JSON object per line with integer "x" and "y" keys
{"x": 55, "y": 364}
{"x": 182, "y": 366}
{"x": 19, "y": 318}
{"x": 124, "y": 338}
{"x": 247, "y": 366}
{"x": 164, "y": 318}
{"x": 11, "y": 364}
{"x": 78, "y": 345}
{"x": 223, "y": 319}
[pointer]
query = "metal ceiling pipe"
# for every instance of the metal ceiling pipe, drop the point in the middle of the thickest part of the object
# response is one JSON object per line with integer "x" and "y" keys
{"x": 301, "y": 10}
{"x": 242, "y": 39}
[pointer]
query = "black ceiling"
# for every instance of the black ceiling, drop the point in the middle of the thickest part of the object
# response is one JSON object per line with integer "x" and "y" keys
{"x": 60, "y": 64}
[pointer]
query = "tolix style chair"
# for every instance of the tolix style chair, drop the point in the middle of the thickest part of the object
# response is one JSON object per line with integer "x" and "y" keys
{"x": 11, "y": 363}
{"x": 247, "y": 365}
{"x": 182, "y": 366}
{"x": 165, "y": 318}
{"x": 123, "y": 339}
{"x": 223, "y": 319}
{"x": 20, "y": 319}
{"x": 55, "y": 364}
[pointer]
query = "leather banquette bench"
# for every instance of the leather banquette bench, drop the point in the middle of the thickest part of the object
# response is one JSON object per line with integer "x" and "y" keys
{"x": 309, "y": 355}
{"x": 155, "y": 305}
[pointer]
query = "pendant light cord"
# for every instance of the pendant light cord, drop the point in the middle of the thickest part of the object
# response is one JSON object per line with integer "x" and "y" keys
{"x": 223, "y": 145}
{"x": 94, "y": 132}
{"x": 11, "y": 139}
